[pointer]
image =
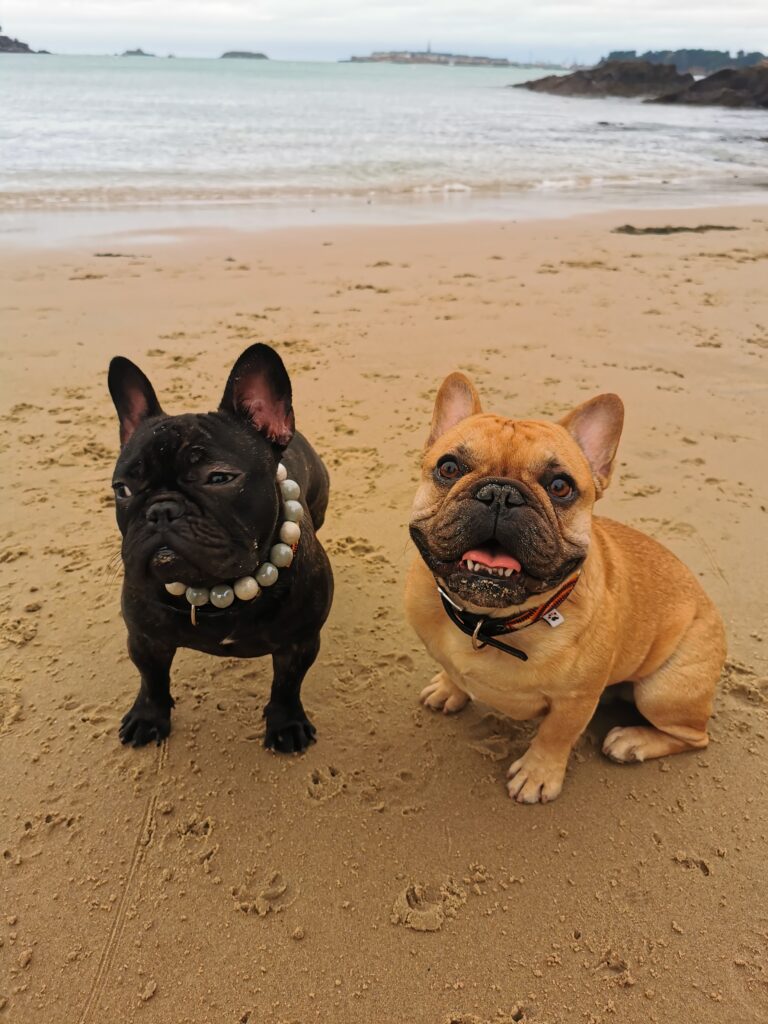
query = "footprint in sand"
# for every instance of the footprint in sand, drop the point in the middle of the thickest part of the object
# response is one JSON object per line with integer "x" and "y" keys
{"x": 11, "y": 709}
{"x": 742, "y": 683}
{"x": 262, "y": 894}
{"x": 325, "y": 783}
{"x": 425, "y": 909}
{"x": 17, "y": 631}
{"x": 513, "y": 1016}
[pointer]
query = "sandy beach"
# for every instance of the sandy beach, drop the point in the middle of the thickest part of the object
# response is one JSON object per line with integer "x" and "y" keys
{"x": 384, "y": 877}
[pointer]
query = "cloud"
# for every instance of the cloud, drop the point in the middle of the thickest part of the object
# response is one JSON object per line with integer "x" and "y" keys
{"x": 328, "y": 28}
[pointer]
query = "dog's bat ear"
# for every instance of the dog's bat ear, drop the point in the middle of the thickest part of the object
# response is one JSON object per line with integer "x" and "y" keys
{"x": 596, "y": 427}
{"x": 456, "y": 400}
{"x": 259, "y": 390}
{"x": 133, "y": 395}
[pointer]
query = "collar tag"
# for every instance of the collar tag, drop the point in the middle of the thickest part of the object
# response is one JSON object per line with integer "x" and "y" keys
{"x": 553, "y": 618}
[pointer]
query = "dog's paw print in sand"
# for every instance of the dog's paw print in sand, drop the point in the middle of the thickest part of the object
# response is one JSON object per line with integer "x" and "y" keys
{"x": 498, "y": 738}
{"x": 17, "y": 632}
{"x": 741, "y": 682}
{"x": 262, "y": 894}
{"x": 11, "y": 709}
{"x": 514, "y": 1016}
{"x": 325, "y": 783}
{"x": 424, "y": 910}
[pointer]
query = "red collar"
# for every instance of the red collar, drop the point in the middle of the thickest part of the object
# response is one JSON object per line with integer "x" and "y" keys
{"x": 483, "y": 629}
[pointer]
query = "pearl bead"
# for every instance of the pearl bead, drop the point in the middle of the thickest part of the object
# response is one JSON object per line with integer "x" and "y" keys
{"x": 293, "y": 511}
{"x": 266, "y": 574}
{"x": 177, "y": 589}
{"x": 246, "y": 588}
{"x": 282, "y": 473}
{"x": 290, "y": 533}
{"x": 197, "y": 596}
{"x": 222, "y": 595}
{"x": 281, "y": 555}
{"x": 290, "y": 489}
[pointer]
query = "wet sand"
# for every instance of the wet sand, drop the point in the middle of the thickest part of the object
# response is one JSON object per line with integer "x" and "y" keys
{"x": 385, "y": 876}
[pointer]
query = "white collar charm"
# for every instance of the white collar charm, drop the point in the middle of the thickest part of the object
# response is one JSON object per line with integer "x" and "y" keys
{"x": 222, "y": 595}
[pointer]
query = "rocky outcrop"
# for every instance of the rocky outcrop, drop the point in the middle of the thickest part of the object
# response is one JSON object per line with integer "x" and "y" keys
{"x": 136, "y": 53}
{"x": 243, "y": 55}
{"x": 8, "y": 45}
{"x": 741, "y": 87}
{"x": 613, "y": 78}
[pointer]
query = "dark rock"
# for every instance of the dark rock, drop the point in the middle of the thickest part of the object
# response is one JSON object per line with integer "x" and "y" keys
{"x": 672, "y": 229}
{"x": 8, "y": 45}
{"x": 742, "y": 87}
{"x": 613, "y": 78}
{"x": 243, "y": 55}
{"x": 136, "y": 53}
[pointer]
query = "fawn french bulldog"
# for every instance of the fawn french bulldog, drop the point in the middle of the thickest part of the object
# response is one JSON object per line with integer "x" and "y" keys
{"x": 533, "y": 606}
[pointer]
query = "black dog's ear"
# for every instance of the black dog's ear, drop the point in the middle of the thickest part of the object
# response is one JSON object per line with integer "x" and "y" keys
{"x": 259, "y": 389}
{"x": 133, "y": 395}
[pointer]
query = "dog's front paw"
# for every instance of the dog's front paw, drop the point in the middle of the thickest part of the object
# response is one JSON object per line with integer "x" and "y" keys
{"x": 535, "y": 779}
{"x": 145, "y": 723}
{"x": 443, "y": 695}
{"x": 289, "y": 731}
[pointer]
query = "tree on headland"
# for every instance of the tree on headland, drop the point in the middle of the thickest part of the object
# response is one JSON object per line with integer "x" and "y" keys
{"x": 696, "y": 61}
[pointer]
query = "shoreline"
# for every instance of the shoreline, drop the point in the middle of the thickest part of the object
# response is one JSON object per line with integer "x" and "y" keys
{"x": 59, "y": 227}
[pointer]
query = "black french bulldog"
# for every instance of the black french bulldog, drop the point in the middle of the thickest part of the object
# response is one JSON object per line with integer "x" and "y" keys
{"x": 199, "y": 503}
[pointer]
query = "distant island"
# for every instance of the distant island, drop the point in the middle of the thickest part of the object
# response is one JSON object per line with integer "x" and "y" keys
{"x": 243, "y": 55}
{"x": 695, "y": 62}
{"x": 428, "y": 56}
{"x": 136, "y": 53}
{"x": 8, "y": 45}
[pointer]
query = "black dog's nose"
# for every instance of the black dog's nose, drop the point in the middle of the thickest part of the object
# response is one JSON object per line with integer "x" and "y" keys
{"x": 161, "y": 513}
{"x": 504, "y": 495}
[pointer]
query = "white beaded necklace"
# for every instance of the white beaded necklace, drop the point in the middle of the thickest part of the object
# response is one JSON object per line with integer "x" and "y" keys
{"x": 221, "y": 595}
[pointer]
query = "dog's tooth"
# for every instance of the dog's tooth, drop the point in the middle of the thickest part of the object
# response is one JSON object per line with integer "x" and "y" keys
{"x": 508, "y": 572}
{"x": 470, "y": 564}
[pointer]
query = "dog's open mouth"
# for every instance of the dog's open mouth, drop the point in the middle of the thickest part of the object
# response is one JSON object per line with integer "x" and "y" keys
{"x": 488, "y": 576}
{"x": 490, "y": 560}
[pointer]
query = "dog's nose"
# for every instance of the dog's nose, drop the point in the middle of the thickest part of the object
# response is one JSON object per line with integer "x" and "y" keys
{"x": 501, "y": 494}
{"x": 160, "y": 513}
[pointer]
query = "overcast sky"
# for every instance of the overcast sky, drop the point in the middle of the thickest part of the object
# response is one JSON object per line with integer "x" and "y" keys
{"x": 329, "y": 29}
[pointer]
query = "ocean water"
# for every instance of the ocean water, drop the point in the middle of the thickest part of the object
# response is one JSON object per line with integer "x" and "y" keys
{"x": 96, "y": 132}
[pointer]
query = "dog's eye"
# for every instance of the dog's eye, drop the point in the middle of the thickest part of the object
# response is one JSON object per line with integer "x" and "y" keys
{"x": 448, "y": 468}
{"x": 220, "y": 478}
{"x": 122, "y": 490}
{"x": 560, "y": 488}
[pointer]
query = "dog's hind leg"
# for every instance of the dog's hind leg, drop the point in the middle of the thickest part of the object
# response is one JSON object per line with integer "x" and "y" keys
{"x": 676, "y": 698}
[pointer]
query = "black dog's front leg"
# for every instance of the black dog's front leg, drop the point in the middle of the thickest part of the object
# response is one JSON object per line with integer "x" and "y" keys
{"x": 288, "y": 728}
{"x": 150, "y": 717}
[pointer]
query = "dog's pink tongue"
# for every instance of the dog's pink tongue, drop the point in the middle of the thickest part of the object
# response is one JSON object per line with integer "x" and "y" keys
{"x": 494, "y": 561}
